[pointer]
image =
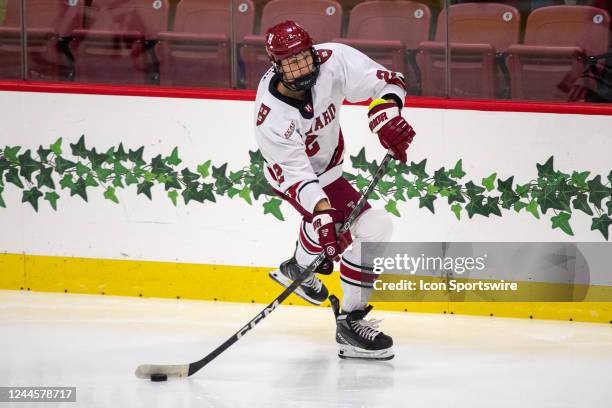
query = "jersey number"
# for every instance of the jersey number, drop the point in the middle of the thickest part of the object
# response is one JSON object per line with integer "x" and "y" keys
{"x": 312, "y": 147}
{"x": 391, "y": 78}
{"x": 279, "y": 173}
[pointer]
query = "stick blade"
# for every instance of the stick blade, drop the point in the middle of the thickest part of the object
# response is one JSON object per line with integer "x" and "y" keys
{"x": 144, "y": 371}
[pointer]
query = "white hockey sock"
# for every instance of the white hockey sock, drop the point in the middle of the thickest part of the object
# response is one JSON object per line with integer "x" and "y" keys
{"x": 354, "y": 297}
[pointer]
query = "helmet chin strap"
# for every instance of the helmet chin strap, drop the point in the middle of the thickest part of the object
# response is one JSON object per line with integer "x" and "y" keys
{"x": 302, "y": 83}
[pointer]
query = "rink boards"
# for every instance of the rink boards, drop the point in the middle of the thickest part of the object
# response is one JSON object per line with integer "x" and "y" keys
{"x": 223, "y": 250}
{"x": 243, "y": 284}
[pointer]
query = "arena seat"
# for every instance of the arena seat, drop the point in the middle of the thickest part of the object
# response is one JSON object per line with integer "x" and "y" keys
{"x": 479, "y": 35}
{"x": 50, "y": 23}
{"x": 549, "y": 63}
{"x": 197, "y": 52}
{"x": 117, "y": 44}
{"x": 321, "y": 18}
{"x": 386, "y": 30}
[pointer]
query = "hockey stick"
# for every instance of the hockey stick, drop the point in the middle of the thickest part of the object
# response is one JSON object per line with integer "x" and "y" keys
{"x": 146, "y": 371}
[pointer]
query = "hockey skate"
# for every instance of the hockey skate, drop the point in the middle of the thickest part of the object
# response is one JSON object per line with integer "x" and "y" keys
{"x": 312, "y": 289}
{"x": 359, "y": 338}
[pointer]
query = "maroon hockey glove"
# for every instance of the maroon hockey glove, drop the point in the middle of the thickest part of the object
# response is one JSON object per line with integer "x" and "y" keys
{"x": 326, "y": 223}
{"x": 393, "y": 131}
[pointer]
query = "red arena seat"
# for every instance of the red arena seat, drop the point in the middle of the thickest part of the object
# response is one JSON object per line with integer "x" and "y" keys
{"x": 197, "y": 52}
{"x": 552, "y": 58}
{"x": 49, "y": 22}
{"x": 117, "y": 44}
{"x": 386, "y": 30}
{"x": 321, "y": 18}
{"x": 478, "y": 32}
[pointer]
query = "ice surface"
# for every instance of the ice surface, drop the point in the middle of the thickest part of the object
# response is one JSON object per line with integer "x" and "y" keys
{"x": 96, "y": 342}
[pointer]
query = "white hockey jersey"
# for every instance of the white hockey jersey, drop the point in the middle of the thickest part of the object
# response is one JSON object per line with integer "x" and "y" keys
{"x": 301, "y": 141}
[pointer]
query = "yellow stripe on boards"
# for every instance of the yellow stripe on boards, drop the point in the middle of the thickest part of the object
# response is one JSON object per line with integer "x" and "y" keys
{"x": 236, "y": 284}
{"x": 12, "y": 271}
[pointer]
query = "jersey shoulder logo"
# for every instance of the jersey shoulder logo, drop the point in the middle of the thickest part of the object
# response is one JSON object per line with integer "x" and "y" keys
{"x": 324, "y": 55}
{"x": 263, "y": 114}
{"x": 290, "y": 130}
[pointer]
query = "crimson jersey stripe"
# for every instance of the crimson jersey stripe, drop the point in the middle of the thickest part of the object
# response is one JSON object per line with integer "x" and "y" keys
{"x": 292, "y": 191}
{"x": 398, "y": 82}
{"x": 356, "y": 275}
{"x": 338, "y": 153}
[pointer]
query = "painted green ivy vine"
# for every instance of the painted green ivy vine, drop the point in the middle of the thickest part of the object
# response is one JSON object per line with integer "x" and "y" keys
{"x": 44, "y": 173}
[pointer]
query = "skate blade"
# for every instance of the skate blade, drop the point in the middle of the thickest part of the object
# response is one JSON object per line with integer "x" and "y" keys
{"x": 282, "y": 280}
{"x": 345, "y": 352}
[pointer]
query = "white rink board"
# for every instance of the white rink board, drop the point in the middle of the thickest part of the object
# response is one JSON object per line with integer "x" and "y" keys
{"x": 233, "y": 233}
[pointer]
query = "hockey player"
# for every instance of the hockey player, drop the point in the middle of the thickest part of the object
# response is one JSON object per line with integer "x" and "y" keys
{"x": 297, "y": 128}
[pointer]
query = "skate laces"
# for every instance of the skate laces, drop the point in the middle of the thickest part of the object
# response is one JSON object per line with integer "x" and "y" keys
{"x": 313, "y": 282}
{"x": 366, "y": 328}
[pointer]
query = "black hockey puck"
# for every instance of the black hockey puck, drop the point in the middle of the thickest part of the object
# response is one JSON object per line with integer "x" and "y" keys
{"x": 159, "y": 377}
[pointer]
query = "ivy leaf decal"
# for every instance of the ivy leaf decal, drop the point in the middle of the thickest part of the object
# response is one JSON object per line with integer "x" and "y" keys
{"x": 427, "y": 202}
{"x": 456, "y": 209}
{"x": 418, "y": 169}
{"x": 476, "y": 206}
{"x": 203, "y": 169}
{"x": 62, "y": 165}
{"x": 67, "y": 182}
{"x": 256, "y": 157}
{"x": 28, "y": 165}
{"x": 546, "y": 170}
{"x": 43, "y": 154}
{"x": 473, "y": 190}
{"x": 173, "y": 159}
{"x": 109, "y": 194}
{"x": 207, "y": 192}
{"x": 532, "y": 207}
{"x": 52, "y": 198}
{"x": 597, "y": 191}
{"x": 360, "y": 162}
{"x": 96, "y": 159}
{"x": 222, "y": 182}
{"x": 272, "y": 206}
{"x": 457, "y": 171}
{"x": 11, "y": 152}
{"x": 580, "y": 203}
{"x": 135, "y": 156}
{"x": 188, "y": 176}
{"x": 602, "y": 224}
{"x": 44, "y": 178}
{"x": 120, "y": 154}
{"x": 158, "y": 166}
{"x": 579, "y": 179}
{"x": 145, "y": 188}
{"x": 12, "y": 176}
{"x": 116, "y": 169}
{"x": 548, "y": 199}
{"x": 79, "y": 149}
{"x": 562, "y": 221}
{"x": 173, "y": 196}
{"x": 488, "y": 182}
{"x": 245, "y": 194}
{"x": 441, "y": 179}
{"x": 31, "y": 196}
{"x": 391, "y": 206}
{"x": 56, "y": 147}
{"x": 79, "y": 188}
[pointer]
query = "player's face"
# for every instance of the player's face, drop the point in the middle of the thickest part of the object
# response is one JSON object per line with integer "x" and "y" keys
{"x": 297, "y": 66}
